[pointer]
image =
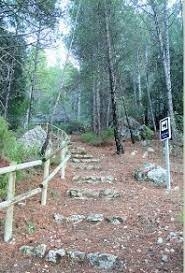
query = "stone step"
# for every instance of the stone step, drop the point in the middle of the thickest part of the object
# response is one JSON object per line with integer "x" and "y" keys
{"x": 82, "y": 156}
{"x": 93, "y": 218}
{"x": 99, "y": 260}
{"x": 86, "y": 167}
{"x": 93, "y": 179}
{"x": 85, "y": 160}
{"x": 77, "y": 150}
{"x": 89, "y": 193}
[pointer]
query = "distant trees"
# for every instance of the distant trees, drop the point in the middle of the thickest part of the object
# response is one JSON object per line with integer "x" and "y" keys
{"x": 23, "y": 24}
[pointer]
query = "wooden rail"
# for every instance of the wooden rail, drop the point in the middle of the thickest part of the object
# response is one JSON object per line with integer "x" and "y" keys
{"x": 42, "y": 188}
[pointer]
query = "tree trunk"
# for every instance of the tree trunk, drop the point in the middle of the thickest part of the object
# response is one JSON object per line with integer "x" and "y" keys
{"x": 108, "y": 112}
{"x": 8, "y": 93}
{"x": 33, "y": 79}
{"x": 126, "y": 115}
{"x": 98, "y": 106}
{"x": 148, "y": 90}
{"x": 163, "y": 41}
{"x": 94, "y": 105}
{"x": 79, "y": 105}
{"x": 117, "y": 137}
{"x": 135, "y": 89}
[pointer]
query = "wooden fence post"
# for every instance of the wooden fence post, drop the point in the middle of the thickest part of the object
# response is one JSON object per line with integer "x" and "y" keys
{"x": 62, "y": 157}
{"x": 45, "y": 185}
{"x": 9, "y": 212}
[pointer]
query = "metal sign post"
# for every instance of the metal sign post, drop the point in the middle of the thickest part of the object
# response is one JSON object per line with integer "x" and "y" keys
{"x": 165, "y": 135}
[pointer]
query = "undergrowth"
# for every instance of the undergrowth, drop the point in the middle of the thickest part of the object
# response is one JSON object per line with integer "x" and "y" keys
{"x": 97, "y": 140}
{"x": 11, "y": 151}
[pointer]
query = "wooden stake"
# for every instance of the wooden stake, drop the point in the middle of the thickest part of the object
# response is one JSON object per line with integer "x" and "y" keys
{"x": 9, "y": 212}
{"x": 46, "y": 174}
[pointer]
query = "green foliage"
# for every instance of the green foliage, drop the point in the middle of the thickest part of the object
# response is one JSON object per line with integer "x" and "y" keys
{"x": 97, "y": 140}
{"x": 12, "y": 151}
{"x": 146, "y": 132}
{"x": 30, "y": 227}
{"x": 179, "y": 120}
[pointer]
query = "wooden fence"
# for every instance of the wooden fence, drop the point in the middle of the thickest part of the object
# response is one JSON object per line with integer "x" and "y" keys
{"x": 41, "y": 189}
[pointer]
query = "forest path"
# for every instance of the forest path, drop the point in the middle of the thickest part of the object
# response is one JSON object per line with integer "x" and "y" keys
{"x": 89, "y": 224}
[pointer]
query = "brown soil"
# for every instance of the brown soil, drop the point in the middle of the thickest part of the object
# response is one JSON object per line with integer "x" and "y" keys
{"x": 151, "y": 213}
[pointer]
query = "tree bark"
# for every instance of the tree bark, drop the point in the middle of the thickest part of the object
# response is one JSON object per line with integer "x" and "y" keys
{"x": 163, "y": 41}
{"x": 148, "y": 89}
{"x": 108, "y": 112}
{"x": 112, "y": 81}
{"x": 8, "y": 93}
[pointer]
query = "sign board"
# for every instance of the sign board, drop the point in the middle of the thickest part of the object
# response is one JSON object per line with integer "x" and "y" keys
{"x": 165, "y": 129}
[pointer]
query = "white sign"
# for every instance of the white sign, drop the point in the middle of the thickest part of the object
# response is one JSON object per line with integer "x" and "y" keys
{"x": 165, "y": 128}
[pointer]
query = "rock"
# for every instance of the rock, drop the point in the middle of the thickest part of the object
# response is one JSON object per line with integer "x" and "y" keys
{"x": 85, "y": 160}
{"x": 76, "y": 255}
{"x": 164, "y": 258}
{"x": 104, "y": 261}
{"x": 145, "y": 154}
{"x": 93, "y": 179}
{"x": 77, "y": 218}
{"x": 82, "y": 156}
{"x": 87, "y": 167}
{"x": 59, "y": 218}
{"x": 150, "y": 150}
{"x": 34, "y": 138}
{"x": 37, "y": 251}
{"x": 116, "y": 220}
{"x": 153, "y": 173}
{"x": 145, "y": 142}
{"x": 133, "y": 153}
{"x": 75, "y": 193}
{"x": 88, "y": 193}
{"x": 27, "y": 250}
{"x": 109, "y": 193}
{"x": 175, "y": 237}
{"x": 55, "y": 256}
{"x": 159, "y": 240}
{"x": 95, "y": 218}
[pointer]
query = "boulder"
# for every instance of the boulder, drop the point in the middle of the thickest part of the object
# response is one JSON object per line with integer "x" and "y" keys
{"x": 34, "y": 138}
{"x": 153, "y": 173}
{"x": 142, "y": 132}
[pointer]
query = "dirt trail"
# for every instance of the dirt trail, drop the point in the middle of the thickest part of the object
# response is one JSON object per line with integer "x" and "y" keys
{"x": 149, "y": 213}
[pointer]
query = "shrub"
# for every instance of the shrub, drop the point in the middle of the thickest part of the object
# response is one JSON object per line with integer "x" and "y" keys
{"x": 73, "y": 127}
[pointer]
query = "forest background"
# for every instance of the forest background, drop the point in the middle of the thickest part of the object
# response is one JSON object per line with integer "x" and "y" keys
{"x": 124, "y": 59}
